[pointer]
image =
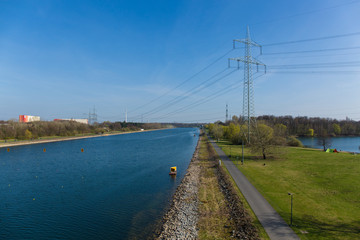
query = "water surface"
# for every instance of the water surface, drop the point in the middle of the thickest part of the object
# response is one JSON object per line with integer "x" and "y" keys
{"x": 116, "y": 189}
{"x": 349, "y": 144}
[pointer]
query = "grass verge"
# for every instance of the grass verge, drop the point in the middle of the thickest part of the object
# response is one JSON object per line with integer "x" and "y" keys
{"x": 214, "y": 221}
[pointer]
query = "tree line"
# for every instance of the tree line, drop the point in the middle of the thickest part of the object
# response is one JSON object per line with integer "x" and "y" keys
{"x": 263, "y": 138}
{"x": 269, "y": 131}
{"x": 312, "y": 126}
{"x": 35, "y": 130}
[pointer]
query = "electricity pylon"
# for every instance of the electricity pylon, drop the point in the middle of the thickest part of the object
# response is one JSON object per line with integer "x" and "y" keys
{"x": 226, "y": 115}
{"x": 248, "y": 91}
{"x": 92, "y": 116}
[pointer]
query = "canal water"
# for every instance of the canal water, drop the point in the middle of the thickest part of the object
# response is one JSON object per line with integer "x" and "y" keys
{"x": 117, "y": 188}
{"x": 349, "y": 144}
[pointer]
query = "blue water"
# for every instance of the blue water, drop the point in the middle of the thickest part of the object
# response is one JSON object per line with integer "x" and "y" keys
{"x": 350, "y": 144}
{"x": 116, "y": 189}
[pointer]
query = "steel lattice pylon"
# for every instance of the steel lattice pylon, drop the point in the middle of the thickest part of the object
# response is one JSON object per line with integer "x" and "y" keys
{"x": 248, "y": 91}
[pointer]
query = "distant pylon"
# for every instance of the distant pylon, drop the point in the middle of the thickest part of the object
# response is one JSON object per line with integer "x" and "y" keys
{"x": 226, "y": 115}
{"x": 92, "y": 116}
{"x": 248, "y": 91}
{"x": 126, "y": 115}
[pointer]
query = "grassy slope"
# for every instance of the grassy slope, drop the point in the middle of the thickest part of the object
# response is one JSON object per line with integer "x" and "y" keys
{"x": 213, "y": 217}
{"x": 326, "y": 189}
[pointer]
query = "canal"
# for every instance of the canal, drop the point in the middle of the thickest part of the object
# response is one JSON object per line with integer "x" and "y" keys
{"x": 117, "y": 188}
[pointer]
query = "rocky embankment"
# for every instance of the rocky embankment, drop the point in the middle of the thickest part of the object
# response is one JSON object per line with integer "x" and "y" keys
{"x": 180, "y": 222}
{"x": 181, "y": 219}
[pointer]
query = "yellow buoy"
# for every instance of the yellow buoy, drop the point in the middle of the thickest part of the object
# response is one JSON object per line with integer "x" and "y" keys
{"x": 172, "y": 171}
{"x": 33, "y": 199}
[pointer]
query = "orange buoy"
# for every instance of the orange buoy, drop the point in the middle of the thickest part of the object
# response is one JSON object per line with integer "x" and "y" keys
{"x": 82, "y": 150}
{"x": 44, "y": 149}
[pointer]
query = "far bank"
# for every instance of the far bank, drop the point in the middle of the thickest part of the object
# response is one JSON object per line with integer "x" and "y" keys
{"x": 59, "y": 139}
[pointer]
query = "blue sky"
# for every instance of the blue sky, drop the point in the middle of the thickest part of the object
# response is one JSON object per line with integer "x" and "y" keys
{"x": 58, "y": 59}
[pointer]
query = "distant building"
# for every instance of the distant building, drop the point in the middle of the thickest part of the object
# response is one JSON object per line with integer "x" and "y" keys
{"x": 28, "y": 118}
{"x": 84, "y": 120}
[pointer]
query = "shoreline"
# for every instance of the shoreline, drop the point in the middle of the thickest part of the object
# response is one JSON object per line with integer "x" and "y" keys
{"x": 60, "y": 139}
{"x": 180, "y": 220}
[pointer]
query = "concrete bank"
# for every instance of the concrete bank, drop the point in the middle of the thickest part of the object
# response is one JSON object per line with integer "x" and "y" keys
{"x": 181, "y": 219}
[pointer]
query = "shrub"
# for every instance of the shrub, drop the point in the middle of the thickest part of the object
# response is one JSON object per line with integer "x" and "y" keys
{"x": 294, "y": 142}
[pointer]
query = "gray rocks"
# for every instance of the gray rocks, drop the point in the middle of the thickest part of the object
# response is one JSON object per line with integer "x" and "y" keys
{"x": 181, "y": 219}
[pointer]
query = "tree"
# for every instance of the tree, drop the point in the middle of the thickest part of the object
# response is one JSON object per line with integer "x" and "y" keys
{"x": 280, "y": 134}
{"x": 262, "y": 139}
{"x": 336, "y": 129}
{"x": 310, "y": 132}
{"x": 324, "y": 139}
{"x": 28, "y": 134}
{"x": 280, "y": 130}
{"x": 217, "y": 132}
{"x": 294, "y": 142}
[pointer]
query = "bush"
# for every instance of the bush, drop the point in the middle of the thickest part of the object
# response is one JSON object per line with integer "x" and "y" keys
{"x": 294, "y": 142}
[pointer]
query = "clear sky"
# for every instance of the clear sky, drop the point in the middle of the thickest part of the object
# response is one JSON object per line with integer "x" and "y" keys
{"x": 59, "y": 58}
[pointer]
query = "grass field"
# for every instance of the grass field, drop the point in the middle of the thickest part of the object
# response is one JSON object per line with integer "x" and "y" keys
{"x": 326, "y": 188}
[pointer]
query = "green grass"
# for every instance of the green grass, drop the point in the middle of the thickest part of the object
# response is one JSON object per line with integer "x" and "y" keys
{"x": 326, "y": 188}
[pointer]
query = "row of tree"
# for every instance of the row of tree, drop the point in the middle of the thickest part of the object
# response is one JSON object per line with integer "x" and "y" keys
{"x": 305, "y": 126}
{"x": 34, "y": 130}
{"x": 262, "y": 137}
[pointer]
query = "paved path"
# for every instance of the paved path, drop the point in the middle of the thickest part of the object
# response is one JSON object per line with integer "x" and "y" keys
{"x": 274, "y": 225}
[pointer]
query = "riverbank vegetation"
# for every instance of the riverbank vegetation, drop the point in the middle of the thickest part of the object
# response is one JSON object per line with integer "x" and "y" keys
{"x": 11, "y": 131}
{"x": 263, "y": 138}
{"x": 313, "y": 126}
{"x": 305, "y": 126}
{"x": 325, "y": 188}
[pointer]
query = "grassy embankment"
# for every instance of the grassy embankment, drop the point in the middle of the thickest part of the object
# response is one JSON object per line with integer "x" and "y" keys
{"x": 326, "y": 188}
{"x": 214, "y": 217}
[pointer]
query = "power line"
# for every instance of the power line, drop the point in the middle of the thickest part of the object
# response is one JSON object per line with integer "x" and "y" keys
{"x": 182, "y": 83}
{"x": 201, "y": 101}
{"x": 311, "y": 51}
{"x": 313, "y": 39}
{"x": 196, "y": 89}
{"x": 314, "y": 72}
{"x": 201, "y": 120}
{"x": 205, "y": 99}
{"x": 314, "y": 65}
